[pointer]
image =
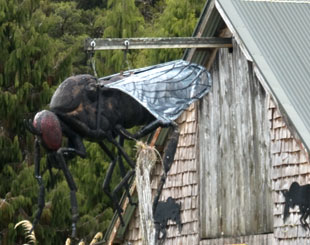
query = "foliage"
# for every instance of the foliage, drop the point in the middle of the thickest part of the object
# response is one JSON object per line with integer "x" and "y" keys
{"x": 123, "y": 19}
{"x": 26, "y": 65}
{"x": 41, "y": 43}
{"x": 176, "y": 19}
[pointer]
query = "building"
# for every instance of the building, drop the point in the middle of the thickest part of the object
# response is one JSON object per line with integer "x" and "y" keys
{"x": 248, "y": 140}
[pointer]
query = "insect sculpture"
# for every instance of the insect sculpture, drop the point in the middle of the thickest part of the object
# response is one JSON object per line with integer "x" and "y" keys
{"x": 298, "y": 195}
{"x": 84, "y": 107}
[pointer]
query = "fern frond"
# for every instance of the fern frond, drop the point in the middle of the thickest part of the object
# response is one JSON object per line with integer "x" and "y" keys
{"x": 27, "y": 225}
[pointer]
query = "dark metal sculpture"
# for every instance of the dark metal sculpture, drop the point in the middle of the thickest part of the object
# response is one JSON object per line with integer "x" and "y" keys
{"x": 169, "y": 210}
{"x": 84, "y": 107}
{"x": 298, "y": 195}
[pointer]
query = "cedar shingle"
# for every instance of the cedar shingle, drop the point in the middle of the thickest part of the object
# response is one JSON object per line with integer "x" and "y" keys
{"x": 290, "y": 163}
{"x": 180, "y": 185}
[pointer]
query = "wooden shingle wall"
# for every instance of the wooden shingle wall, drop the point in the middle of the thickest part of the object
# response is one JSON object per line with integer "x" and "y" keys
{"x": 290, "y": 163}
{"x": 181, "y": 184}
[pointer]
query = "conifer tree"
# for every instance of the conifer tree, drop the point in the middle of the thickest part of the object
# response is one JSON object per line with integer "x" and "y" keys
{"x": 26, "y": 76}
{"x": 123, "y": 19}
{"x": 175, "y": 18}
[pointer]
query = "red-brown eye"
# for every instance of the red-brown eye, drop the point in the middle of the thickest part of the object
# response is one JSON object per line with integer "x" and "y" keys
{"x": 47, "y": 123}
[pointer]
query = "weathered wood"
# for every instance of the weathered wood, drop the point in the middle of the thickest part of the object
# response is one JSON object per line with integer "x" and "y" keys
{"x": 242, "y": 240}
{"x": 156, "y": 43}
{"x": 145, "y": 163}
{"x": 235, "y": 161}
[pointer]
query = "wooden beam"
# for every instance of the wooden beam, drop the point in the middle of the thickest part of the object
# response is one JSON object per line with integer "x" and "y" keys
{"x": 156, "y": 43}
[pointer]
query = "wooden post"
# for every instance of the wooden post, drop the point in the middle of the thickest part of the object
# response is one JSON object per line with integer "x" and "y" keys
{"x": 145, "y": 163}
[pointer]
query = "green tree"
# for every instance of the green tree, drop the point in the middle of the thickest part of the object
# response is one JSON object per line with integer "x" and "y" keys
{"x": 68, "y": 27}
{"x": 123, "y": 19}
{"x": 91, "y": 4}
{"x": 26, "y": 75}
{"x": 175, "y": 18}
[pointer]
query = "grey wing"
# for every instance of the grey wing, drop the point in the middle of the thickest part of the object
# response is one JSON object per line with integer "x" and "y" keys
{"x": 165, "y": 90}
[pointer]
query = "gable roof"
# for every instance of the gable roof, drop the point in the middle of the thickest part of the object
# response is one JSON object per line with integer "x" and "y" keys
{"x": 276, "y": 36}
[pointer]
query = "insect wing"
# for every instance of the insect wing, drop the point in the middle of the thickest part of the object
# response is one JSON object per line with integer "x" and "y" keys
{"x": 165, "y": 90}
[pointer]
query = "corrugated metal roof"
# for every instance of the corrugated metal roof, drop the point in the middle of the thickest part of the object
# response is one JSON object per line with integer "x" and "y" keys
{"x": 276, "y": 34}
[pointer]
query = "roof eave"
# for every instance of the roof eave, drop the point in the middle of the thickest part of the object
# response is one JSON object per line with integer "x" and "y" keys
{"x": 267, "y": 78}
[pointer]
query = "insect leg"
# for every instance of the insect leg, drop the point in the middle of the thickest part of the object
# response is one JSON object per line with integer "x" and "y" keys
{"x": 144, "y": 131}
{"x": 83, "y": 128}
{"x": 72, "y": 186}
{"x": 122, "y": 152}
{"x": 52, "y": 182}
{"x": 169, "y": 150}
{"x": 107, "y": 180}
{"x": 74, "y": 142}
{"x": 31, "y": 128}
{"x": 41, "y": 195}
{"x": 123, "y": 182}
{"x": 123, "y": 171}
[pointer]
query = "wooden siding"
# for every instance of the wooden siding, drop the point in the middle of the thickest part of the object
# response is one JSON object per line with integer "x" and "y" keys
{"x": 235, "y": 162}
{"x": 247, "y": 156}
{"x": 290, "y": 163}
